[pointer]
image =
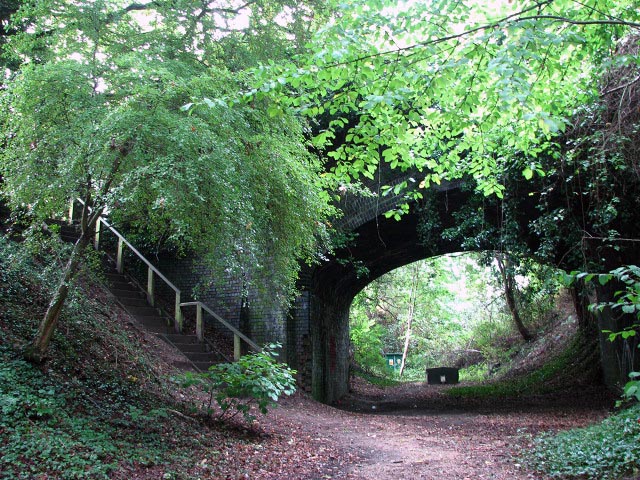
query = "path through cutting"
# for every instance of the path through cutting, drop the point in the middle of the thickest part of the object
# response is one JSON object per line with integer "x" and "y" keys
{"x": 416, "y": 431}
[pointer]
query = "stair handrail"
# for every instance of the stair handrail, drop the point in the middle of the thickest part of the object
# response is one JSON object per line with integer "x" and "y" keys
{"x": 237, "y": 334}
{"x": 151, "y": 271}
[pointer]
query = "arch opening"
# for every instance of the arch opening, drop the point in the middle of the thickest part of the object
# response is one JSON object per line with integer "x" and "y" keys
{"x": 451, "y": 311}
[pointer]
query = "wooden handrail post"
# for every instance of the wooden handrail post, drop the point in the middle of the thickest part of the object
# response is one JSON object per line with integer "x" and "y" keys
{"x": 199, "y": 329}
{"x": 119, "y": 255}
{"x": 178, "y": 316}
{"x": 71, "y": 204}
{"x": 236, "y": 348}
{"x": 150, "y": 285}
{"x": 96, "y": 238}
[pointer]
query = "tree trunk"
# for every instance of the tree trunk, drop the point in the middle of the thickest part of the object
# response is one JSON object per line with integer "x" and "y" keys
{"x": 587, "y": 321}
{"x": 508, "y": 283}
{"x": 245, "y": 315}
{"x": 36, "y": 350}
{"x": 412, "y": 307}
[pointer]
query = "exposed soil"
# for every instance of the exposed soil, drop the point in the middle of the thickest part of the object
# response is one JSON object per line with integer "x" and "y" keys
{"x": 417, "y": 431}
{"x": 411, "y": 431}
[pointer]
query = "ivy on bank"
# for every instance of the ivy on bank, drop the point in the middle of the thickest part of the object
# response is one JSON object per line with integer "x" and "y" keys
{"x": 610, "y": 449}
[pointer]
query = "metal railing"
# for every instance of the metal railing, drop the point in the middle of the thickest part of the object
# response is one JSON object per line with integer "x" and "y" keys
{"x": 152, "y": 273}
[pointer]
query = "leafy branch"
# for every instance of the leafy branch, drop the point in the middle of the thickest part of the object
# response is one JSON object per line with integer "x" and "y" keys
{"x": 627, "y": 301}
{"x": 502, "y": 22}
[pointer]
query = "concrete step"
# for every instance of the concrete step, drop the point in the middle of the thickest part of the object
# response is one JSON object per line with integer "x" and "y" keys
{"x": 197, "y": 356}
{"x": 67, "y": 229}
{"x": 151, "y": 319}
{"x": 122, "y": 285}
{"x": 114, "y": 276}
{"x": 155, "y": 324}
{"x": 185, "y": 365}
{"x": 69, "y": 238}
{"x": 159, "y": 329}
{"x": 203, "y": 366}
{"x": 143, "y": 310}
{"x": 193, "y": 348}
{"x": 120, "y": 293}
{"x": 200, "y": 357}
{"x": 69, "y": 233}
{"x": 133, "y": 302}
{"x": 180, "y": 339}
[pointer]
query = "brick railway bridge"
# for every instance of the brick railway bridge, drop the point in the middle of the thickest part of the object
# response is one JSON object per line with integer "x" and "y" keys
{"x": 315, "y": 332}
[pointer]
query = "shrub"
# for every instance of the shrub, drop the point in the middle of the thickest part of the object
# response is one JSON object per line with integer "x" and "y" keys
{"x": 256, "y": 380}
{"x": 39, "y": 436}
{"x": 366, "y": 338}
{"x": 542, "y": 380}
{"x": 474, "y": 373}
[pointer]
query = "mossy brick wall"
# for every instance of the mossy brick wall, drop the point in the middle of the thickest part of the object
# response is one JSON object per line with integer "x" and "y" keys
{"x": 358, "y": 210}
{"x": 322, "y": 359}
{"x": 298, "y": 351}
{"x": 314, "y": 333}
{"x": 315, "y": 338}
{"x": 266, "y": 322}
{"x": 224, "y": 297}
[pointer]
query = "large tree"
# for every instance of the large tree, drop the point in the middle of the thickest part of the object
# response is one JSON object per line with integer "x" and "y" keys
{"x": 7, "y": 9}
{"x": 133, "y": 109}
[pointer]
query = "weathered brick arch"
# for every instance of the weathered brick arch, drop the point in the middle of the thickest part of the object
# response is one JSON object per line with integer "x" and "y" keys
{"x": 381, "y": 245}
{"x": 315, "y": 332}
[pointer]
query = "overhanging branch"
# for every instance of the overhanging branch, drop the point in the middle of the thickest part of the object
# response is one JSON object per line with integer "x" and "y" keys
{"x": 510, "y": 19}
{"x": 621, "y": 87}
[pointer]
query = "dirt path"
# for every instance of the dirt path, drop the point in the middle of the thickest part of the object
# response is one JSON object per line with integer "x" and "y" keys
{"x": 417, "y": 432}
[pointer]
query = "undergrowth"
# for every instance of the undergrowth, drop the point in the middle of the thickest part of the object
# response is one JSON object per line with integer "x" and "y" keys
{"x": 607, "y": 450}
{"x": 57, "y": 429}
{"x": 96, "y": 406}
{"x": 574, "y": 363}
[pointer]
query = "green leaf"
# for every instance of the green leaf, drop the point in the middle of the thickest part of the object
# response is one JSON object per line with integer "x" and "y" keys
{"x": 603, "y": 279}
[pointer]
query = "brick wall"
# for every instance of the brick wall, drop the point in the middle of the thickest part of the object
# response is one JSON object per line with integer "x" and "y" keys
{"x": 264, "y": 320}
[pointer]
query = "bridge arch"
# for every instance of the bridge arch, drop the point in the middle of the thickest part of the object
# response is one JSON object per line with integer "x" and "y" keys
{"x": 379, "y": 246}
{"x": 315, "y": 332}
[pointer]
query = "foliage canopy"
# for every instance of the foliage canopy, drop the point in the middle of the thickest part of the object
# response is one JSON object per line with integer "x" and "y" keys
{"x": 99, "y": 113}
{"x": 452, "y": 89}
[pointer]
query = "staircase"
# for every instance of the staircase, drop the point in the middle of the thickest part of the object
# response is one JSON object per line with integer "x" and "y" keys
{"x": 198, "y": 356}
